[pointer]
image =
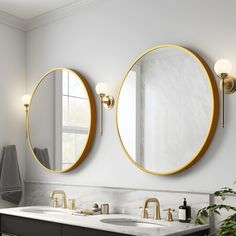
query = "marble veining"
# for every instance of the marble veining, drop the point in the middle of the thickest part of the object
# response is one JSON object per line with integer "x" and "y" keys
{"x": 121, "y": 200}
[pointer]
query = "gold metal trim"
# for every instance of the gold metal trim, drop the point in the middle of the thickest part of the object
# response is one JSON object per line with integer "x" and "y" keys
{"x": 92, "y": 128}
{"x": 229, "y": 84}
{"x": 215, "y": 110}
{"x": 108, "y": 102}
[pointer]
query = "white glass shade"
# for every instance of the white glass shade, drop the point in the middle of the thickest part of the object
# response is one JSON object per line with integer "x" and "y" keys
{"x": 223, "y": 66}
{"x": 26, "y": 99}
{"x": 101, "y": 88}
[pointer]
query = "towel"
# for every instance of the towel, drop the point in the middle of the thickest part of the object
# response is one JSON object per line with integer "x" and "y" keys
{"x": 43, "y": 156}
{"x": 10, "y": 180}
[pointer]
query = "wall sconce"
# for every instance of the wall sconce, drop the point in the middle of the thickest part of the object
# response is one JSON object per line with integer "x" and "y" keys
{"x": 227, "y": 83}
{"x": 107, "y": 101}
{"x": 26, "y": 101}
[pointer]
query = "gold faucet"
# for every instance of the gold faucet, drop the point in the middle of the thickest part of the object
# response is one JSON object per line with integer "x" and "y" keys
{"x": 63, "y": 194}
{"x": 169, "y": 216}
{"x": 157, "y": 212}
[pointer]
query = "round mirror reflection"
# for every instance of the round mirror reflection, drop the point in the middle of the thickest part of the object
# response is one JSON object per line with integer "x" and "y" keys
{"x": 167, "y": 110}
{"x": 61, "y": 120}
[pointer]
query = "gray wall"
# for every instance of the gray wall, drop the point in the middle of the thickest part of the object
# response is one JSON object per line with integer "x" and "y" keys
{"x": 12, "y": 88}
{"x": 100, "y": 40}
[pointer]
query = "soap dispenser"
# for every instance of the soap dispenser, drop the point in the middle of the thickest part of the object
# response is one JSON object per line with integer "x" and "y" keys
{"x": 184, "y": 212}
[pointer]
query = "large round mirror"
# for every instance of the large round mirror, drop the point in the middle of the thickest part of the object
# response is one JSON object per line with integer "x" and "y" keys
{"x": 167, "y": 110}
{"x": 61, "y": 120}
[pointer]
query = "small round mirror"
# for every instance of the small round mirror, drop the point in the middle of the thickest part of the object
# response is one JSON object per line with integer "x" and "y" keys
{"x": 61, "y": 120}
{"x": 167, "y": 110}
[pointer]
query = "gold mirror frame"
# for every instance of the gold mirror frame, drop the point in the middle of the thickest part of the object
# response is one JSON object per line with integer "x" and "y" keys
{"x": 215, "y": 110}
{"x": 92, "y": 128}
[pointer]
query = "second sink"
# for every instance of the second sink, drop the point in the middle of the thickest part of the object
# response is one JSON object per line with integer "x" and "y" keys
{"x": 132, "y": 223}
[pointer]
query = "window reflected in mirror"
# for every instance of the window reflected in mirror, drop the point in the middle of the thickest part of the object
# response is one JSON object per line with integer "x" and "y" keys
{"x": 59, "y": 119}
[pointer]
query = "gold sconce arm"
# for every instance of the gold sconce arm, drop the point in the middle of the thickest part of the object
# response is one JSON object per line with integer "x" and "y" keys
{"x": 26, "y": 117}
{"x": 106, "y": 101}
{"x": 227, "y": 83}
{"x": 26, "y": 101}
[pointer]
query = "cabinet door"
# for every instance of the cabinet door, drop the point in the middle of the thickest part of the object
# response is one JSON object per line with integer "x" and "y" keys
{"x": 80, "y": 231}
{"x": 19, "y": 226}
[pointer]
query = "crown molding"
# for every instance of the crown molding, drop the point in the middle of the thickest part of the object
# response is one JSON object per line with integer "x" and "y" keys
{"x": 44, "y": 19}
{"x": 13, "y": 21}
{"x": 55, "y": 15}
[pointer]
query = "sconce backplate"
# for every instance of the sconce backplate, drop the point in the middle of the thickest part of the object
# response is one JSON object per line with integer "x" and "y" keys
{"x": 230, "y": 85}
{"x": 108, "y": 102}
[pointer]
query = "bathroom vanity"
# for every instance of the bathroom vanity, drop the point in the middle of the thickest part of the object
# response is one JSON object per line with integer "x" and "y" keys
{"x": 14, "y": 225}
{"x": 47, "y": 221}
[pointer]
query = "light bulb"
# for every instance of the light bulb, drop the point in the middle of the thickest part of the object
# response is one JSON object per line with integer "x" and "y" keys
{"x": 101, "y": 88}
{"x": 223, "y": 66}
{"x": 26, "y": 99}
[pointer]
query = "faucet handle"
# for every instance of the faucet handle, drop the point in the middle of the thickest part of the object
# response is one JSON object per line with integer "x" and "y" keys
{"x": 144, "y": 213}
{"x": 72, "y": 204}
{"x": 55, "y": 203}
{"x": 51, "y": 195}
{"x": 169, "y": 216}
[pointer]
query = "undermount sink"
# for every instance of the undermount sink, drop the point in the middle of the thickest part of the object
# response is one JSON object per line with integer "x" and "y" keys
{"x": 132, "y": 223}
{"x": 44, "y": 210}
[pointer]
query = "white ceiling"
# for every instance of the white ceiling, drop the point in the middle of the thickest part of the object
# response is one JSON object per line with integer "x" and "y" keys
{"x": 27, "y": 9}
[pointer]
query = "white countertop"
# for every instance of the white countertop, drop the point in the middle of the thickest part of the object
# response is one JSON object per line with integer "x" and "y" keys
{"x": 66, "y": 217}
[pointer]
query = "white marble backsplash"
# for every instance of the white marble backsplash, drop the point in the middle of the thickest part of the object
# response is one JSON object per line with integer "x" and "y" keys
{"x": 121, "y": 200}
